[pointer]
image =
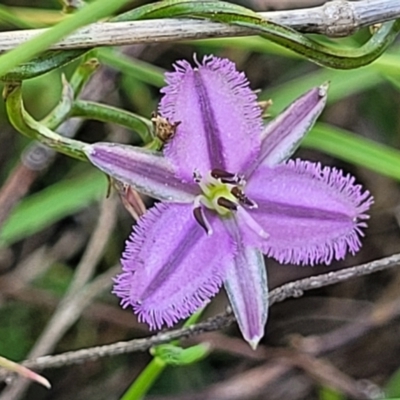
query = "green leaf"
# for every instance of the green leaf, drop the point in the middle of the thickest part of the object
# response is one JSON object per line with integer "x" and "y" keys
{"x": 44, "y": 208}
{"x": 341, "y": 85}
{"x": 327, "y": 393}
{"x": 139, "y": 69}
{"x": 355, "y": 149}
{"x": 392, "y": 388}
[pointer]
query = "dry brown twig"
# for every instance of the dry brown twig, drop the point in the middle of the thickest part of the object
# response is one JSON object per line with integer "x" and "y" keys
{"x": 278, "y": 362}
{"x": 292, "y": 289}
{"x": 80, "y": 292}
{"x": 380, "y": 313}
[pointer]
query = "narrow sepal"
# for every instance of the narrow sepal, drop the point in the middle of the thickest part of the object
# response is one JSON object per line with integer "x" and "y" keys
{"x": 218, "y": 115}
{"x": 282, "y": 136}
{"x": 247, "y": 289}
{"x": 147, "y": 171}
{"x": 171, "y": 267}
{"x": 313, "y": 214}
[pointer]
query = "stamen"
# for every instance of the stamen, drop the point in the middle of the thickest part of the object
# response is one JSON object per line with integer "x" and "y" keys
{"x": 248, "y": 202}
{"x": 221, "y": 174}
{"x": 199, "y": 216}
{"x": 251, "y": 223}
{"x": 225, "y": 176}
{"x": 226, "y": 203}
{"x": 243, "y": 199}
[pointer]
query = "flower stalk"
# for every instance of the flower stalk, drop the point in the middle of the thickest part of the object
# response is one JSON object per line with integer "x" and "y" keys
{"x": 105, "y": 113}
{"x": 70, "y": 92}
{"x": 165, "y": 355}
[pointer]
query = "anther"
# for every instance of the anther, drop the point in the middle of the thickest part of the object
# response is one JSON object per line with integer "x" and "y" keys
{"x": 201, "y": 219}
{"x": 248, "y": 202}
{"x": 228, "y": 204}
{"x": 237, "y": 192}
{"x": 225, "y": 176}
{"x": 243, "y": 199}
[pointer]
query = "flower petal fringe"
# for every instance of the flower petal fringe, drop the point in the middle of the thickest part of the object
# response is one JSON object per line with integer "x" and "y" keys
{"x": 170, "y": 266}
{"x": 218, "y": 115}
{"x": 313, "y": 214}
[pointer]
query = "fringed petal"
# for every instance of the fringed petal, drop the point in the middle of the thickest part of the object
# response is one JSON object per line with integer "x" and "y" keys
{"x": 282, "y": 136}
{"x": 220, "y": 121}
{"x": 171, "y": 267}
{"x": 313, "y": 214}
{"x": 247, "y": 289}
{"x": 147, "y": 171}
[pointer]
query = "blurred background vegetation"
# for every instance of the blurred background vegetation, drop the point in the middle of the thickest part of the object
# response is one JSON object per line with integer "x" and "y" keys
{"x": 350, "y": 331}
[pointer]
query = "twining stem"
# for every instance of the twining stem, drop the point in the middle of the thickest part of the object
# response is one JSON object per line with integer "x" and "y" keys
{"x": 105, "y": 113}
{"x": 336, "y": 58}
{"x": 41, "y": 64}
{"x": 220, "y": 11}
{"x": 90, "y": 13}
{"x": 63, "y": 108}
{"x": 70, "y": 92}
{"x": 69, "y": 106}
{"x": 25, "y": 124}
{"x": 42, "y": 131}
{"x": 83, "y": 72}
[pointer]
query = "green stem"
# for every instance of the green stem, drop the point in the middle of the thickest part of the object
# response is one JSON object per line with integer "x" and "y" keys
{"x": 289, "y": 38}
{"x": 90, "y": 13}
{"x": 25, "y": 124}
{"x": 337, "y": 58}
{"x": 185, "y": 8}
{"x": 210, "y": 9}
{"x": 145, "y": 380}
{"x": 41, "y": 64}
{"x": 153, "y": 370}
{"x": 83, "y": 72}
{"x": 71, "y": 91}
{"x": 105, "y": 113}
{"x": 62, "y": 110}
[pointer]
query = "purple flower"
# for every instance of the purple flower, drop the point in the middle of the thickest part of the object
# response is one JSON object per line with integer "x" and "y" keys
{"x": 228, "y": 195}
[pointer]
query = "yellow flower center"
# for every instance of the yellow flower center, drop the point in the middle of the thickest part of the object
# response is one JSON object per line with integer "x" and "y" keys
{"x": 217, "y": 194}
{"x": 223, "y": 193}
